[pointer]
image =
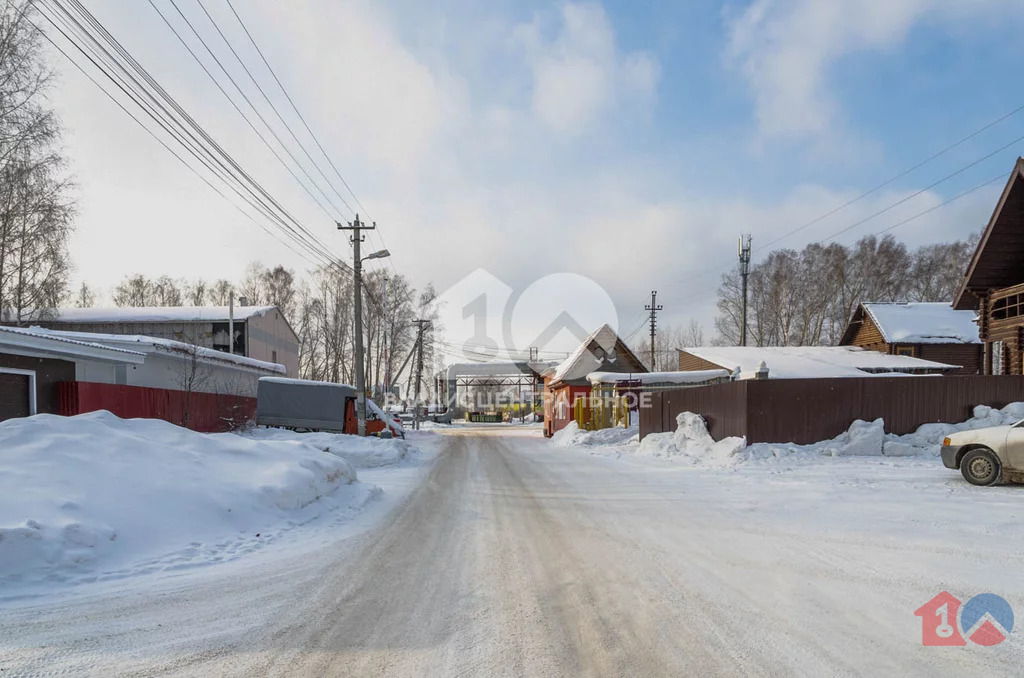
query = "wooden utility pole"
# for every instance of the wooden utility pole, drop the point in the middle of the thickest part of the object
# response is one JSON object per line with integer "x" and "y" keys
{"x": 421, "y": 325}
{"x": 357, "y": 227}
{"x": 744, "y": 251}
{"x": 653, "y": 308}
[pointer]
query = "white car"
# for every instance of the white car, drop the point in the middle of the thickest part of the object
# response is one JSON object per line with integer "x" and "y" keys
{"x": 987, "y": 456}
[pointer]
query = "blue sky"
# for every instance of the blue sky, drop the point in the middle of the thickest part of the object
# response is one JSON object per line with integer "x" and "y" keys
{"x": 628, "y": 142}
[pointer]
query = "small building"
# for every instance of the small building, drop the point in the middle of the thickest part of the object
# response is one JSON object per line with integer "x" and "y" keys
{"x": 930, "y": 331}
{"x": 805, "y": 362}
{"x": 602, "y": 351}
{"x": 993, "y": 284}
{"x": 260, "y": 332}
{"x": 32, "y": 366}
{"x": 69, "y": 373}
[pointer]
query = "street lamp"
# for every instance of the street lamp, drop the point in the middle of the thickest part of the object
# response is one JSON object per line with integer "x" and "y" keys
{"x": 357, "y": 238}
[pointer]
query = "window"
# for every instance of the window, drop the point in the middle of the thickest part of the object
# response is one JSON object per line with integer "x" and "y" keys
{"x": 906, "y": 350}
{"x": 273, "y": 356}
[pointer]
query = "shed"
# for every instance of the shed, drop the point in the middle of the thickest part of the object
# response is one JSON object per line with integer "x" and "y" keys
{"x": 602, "y": 351}
{"x": 806, "y": 362}
{"x": 32, "y": 365}
{"x": 930, "y": 331}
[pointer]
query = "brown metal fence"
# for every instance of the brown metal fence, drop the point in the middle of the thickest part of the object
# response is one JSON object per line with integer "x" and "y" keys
{"x": 809, "y": 410}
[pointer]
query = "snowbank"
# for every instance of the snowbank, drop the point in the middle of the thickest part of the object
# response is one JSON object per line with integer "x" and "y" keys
{"x": 98, "y": 497}
{"x": 690, "y": 442}
{"x": 572, "y": 435}
{"x": 362, "y": 453}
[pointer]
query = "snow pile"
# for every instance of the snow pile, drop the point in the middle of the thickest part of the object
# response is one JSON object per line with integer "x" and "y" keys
{"x": 692, "y": 442}
{"x": 572, "y": 435}
{"x": 95, "y": 496}
{"x": 362, "y": 453}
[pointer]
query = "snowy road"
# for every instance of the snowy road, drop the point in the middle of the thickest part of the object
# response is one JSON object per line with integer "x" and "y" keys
{"x": 515, "y": 558}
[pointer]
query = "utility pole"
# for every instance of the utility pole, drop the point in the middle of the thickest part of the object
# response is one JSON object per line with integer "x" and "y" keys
{"x": 357, "y": 227}
{"x": 421, "y": 325}
{"x": 653, "y": 308}
{"x": 387, "y": 352}
{"x": 744, "y": 251}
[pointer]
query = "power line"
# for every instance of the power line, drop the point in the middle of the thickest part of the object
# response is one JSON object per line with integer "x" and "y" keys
{"x": 133, "y": 89}
{"x": 168, "y": 148}
{"x": 885, "y": 183}
{"x": 302, "y": 119}
{"x": 144, "y": 91}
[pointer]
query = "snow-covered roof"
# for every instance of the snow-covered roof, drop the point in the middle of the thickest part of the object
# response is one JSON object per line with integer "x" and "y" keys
{"x": 695, "y": 377}
{"x": 140, "y": 343}
{"x": 805, "y": 362}
{"x": 156, "y": 314}
{"x": 39, "y": 340}
{"x": 582, "y": 361}
{"x": 306, "y": 382}
{"x": 923, "y": 323}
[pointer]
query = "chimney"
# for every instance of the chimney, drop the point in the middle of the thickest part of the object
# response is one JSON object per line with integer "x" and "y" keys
{"x": 762, "y": 371}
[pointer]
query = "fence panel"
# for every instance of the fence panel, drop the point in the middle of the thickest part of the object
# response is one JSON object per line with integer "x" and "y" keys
{"x": 206, "y": 412}
{"x": 808, "y": 410}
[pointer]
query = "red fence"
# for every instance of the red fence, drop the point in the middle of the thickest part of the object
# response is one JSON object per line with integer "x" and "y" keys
{"x": 206, "y": 412}
{"x": 808, "y": 410}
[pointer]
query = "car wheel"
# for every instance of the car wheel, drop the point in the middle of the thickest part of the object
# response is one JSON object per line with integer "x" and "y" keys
{"x": 980, "y": 467}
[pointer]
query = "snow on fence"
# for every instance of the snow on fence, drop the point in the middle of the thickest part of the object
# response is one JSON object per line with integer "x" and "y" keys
{"x": 805, "y": 411}
{"x": 206, "y": 412}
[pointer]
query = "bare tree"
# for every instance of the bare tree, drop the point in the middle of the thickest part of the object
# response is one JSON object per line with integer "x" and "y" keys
{"x": 35, "y": 211}
{"x": 807, "y": 297}
{"x": 135, "y": 290}
{"x": 195, "y": 292}
{"x": 219, "y": 293}
{"x": 253, "y": 285}
{"x": 167, "y": 292}
{"x": 279, "y": 290}
{"x": 85, "y": 297}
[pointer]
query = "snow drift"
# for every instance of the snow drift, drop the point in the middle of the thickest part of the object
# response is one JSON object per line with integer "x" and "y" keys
{"x": 362, "y": 453}
{"x": 573, "y": 435}
{"x": 690, "y": 443}
{"x": 95, "y": 496}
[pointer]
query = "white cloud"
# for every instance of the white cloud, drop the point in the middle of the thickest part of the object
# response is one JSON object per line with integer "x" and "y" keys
{"x": 581, "y": 73}
{"x": 784, "y": 49}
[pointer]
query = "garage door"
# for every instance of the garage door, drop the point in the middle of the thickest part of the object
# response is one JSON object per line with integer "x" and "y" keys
{"x": 14, "y": 395}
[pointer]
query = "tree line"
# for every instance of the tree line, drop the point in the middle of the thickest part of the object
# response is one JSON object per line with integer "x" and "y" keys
{"x": 806, "y": 297}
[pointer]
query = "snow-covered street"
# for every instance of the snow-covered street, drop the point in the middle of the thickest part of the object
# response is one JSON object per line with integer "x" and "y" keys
{"x": 516, "y": 556}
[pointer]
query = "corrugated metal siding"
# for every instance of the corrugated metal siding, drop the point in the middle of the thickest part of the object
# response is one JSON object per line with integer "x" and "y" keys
{"x": 808, "y": 410}
{"x": 207, "y": 412}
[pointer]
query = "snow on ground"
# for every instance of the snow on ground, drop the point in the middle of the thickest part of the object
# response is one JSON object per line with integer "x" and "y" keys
{"x": 572, "y": 435}
{"x": 97, "y": 498}
{"x": 691, "y": 444}
{"x": 362, "y": 453}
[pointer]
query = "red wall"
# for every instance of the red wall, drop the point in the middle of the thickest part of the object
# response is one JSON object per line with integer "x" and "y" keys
{"x": 558, "y": 407}
{"x": 208, "y": 412}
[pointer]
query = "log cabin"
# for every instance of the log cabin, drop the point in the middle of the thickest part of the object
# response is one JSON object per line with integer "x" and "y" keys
{"x": 930, "y": 331}
{"x": 993, "y": 285}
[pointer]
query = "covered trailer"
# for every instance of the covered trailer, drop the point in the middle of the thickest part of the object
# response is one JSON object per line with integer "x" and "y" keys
{"x": 316, "y": 406}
